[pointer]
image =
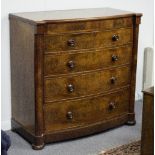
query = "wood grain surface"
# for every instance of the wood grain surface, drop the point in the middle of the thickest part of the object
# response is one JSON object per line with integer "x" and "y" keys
{"x": 87, "y": 40}
{"x": 85, "y": 111}
{"x": 85, "y": 84}
{"x": 89, "y": 25}
{"x": 22, "y": 74}
{"x": 86, "y": 60}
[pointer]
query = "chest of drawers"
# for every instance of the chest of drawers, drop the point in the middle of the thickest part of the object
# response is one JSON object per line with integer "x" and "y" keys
{"x": 72, "y": 72}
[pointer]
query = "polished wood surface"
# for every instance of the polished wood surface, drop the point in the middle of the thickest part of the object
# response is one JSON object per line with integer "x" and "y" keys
{"x": 81, "y": 112}
{"x": 147, "y": 144}
{"x": 22, "y": 69}
{"x": 87, "y": 40}
{"x": 136, "y": 22}
{"x": 73, "y": 15}
{"x": 84, "y": 84}
{"x": 73, "y": 72}
{"x": 86, "y": 60}
{"x": 83, "y": 26}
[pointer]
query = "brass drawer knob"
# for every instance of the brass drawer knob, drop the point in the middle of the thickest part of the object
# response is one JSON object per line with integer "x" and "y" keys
{"x": 114, "y": 58}
{"x": 71, "y": 64}
{"x": 113, "y": 80}
{"x": 69, "y": 115}
{"x": 70, "y": 88}
{"x": 71, "y": 42}
{"x": 112, "y": 105}
{"x": 115, "y": 37}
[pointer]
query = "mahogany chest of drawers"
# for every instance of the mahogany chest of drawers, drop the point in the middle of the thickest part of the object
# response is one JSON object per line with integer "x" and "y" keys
{"x": 72, "y": 72}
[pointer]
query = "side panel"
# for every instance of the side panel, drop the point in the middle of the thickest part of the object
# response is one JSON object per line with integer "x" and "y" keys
{"x": 22, "y": 74}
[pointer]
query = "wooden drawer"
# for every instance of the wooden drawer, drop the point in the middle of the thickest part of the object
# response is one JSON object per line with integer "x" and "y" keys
{"x": 89, "y": 25}
{"x": 74, "y": 113}
{"x": 85, "y": 84}
{"x": 96, "y": 39}
{"x": 64, "y": 63}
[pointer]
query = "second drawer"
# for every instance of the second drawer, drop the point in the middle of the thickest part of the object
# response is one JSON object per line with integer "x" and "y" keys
{"x": 85, "y": 84}
{"x": 65, "y": 63}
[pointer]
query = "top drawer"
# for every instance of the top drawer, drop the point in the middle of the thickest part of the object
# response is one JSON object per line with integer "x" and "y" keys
{"x": 89, "y": 25}
{"x": 96, "y": 39}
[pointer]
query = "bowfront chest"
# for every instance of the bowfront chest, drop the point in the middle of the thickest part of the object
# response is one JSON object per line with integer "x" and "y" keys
{"x": 72, "y": 72}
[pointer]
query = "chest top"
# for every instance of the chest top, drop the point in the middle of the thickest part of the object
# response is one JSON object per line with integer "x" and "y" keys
{"x": 72, "y": 15}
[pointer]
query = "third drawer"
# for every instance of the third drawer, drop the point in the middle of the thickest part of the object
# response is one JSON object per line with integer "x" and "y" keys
{"x": 68, "y": 87}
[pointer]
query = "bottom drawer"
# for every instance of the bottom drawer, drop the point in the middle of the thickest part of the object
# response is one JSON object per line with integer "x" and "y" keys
{"x": 82, "y": 112}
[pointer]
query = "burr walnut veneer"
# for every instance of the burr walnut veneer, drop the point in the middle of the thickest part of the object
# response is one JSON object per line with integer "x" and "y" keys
{"x": 72, "y": 72}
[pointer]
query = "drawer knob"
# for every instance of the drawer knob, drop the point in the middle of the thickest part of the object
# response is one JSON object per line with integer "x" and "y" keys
{"x": 114, "y": 58}
{"x": 112, "y": 105}
{"x": 70, "y": 88}
{"x": 71, "y": 42}
{"x": 113, "y": 80}
{"x": 115, "y": 37}
{"x": 69, "y": 115}
{"x": 71, "y": 64}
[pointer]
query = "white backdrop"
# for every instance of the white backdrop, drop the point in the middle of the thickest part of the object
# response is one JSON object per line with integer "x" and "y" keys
{"x": 11, "y": 6}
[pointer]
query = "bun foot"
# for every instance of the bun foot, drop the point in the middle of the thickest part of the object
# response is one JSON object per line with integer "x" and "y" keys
{"x": 131, "y": 123}
{"x": 38, "y": 147}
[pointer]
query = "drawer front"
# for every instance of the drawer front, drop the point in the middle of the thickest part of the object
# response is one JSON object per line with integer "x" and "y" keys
{"x": 85, "y": 84}
{"x": 76, "y": 113}
{"x": 89, "y": 25}
{"x": 55, "y": 43}
{"x": 65, "y": 63}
